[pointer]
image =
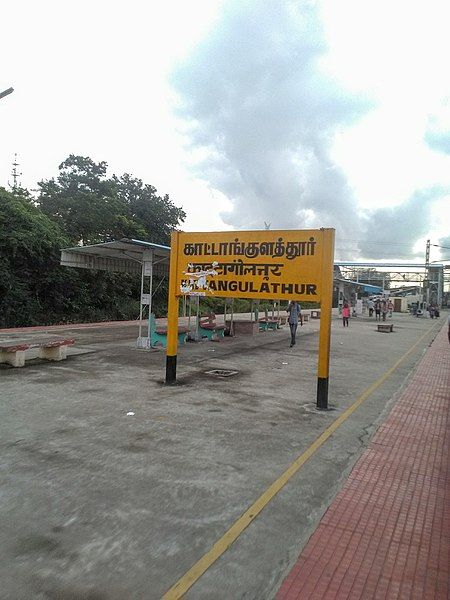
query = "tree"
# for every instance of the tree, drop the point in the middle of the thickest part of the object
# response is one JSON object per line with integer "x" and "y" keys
{"x": 81, "y": 200}
{"x": 29, "y": 252}
{"x": 155, "y": 216}
{"x": 36, "y": 290}
{"x": 93, "y": 208}
{"x": 80, "y": 206}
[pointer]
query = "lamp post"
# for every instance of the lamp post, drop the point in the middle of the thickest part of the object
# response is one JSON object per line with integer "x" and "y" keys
{"x": 6, "y": 92}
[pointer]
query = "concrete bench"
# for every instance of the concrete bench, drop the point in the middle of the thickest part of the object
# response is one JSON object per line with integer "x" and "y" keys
{"x": 385, "y": 327}
{"x": 244, "y": 327}
{"x": 14, "y": 352}
{"x": 208, "y": 328}
{"x": 158, "y": 333}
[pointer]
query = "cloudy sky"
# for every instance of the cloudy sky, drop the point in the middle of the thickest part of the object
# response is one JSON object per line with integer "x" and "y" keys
{"x": 290, "y": 112}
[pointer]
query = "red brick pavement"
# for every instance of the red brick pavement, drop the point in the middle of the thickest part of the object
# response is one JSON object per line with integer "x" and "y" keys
{"x": 387, "y": 533}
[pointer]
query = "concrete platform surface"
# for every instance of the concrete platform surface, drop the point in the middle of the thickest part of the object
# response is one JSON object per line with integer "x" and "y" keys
{"x": 99, "y": 504}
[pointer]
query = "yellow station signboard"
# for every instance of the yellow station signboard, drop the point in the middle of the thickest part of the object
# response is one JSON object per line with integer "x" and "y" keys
{"x": 283, "y": 264}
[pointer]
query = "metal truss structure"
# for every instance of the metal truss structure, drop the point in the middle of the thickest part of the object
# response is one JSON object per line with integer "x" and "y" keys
{"x": 432, "y": 279}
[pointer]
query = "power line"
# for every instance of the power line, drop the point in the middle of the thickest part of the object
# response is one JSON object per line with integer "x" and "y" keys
{"x": 368, "y": 243}
{"x": 373, "y": 243}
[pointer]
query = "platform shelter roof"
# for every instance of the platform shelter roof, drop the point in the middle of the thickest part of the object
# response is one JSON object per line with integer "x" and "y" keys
{"x": 120, "y": 256}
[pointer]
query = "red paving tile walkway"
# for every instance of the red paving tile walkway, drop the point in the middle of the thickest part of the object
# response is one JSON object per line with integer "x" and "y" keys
{"x": 387, "y": 534}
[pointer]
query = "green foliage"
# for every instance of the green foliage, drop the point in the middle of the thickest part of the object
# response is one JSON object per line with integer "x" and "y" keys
{"x": 81, "y": 200}
{"x": 153, "y": 217}
{"x": 92, "y": 208}
{"x": 82, "y": 206}
{"x": 29, "y": 254}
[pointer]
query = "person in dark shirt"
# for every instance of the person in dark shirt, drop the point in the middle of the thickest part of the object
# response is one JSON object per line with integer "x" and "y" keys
{"x": 294, "y": 311}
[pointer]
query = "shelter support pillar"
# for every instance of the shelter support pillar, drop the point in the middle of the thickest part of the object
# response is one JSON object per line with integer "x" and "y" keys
{"x": 141, "y": 308}
{"x": 146, "y": 298}
{"x": 148, "y": 271}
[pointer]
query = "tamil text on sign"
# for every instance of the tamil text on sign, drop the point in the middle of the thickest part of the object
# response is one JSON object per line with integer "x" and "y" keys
{"x": 253, "y": 264}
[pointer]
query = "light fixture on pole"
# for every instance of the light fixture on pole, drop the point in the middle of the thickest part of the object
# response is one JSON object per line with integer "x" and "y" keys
{"x": 6, "y": 92}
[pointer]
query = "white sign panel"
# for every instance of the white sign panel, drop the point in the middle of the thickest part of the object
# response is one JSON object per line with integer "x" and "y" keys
{"x": 148, "y": 270}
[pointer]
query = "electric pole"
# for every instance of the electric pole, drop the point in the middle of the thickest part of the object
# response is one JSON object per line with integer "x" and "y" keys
{"x": 426, "y": 281}
{"x": 15, "y": 174}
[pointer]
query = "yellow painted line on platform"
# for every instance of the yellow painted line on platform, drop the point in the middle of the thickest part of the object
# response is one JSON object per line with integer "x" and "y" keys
{"x": 222, "y": 545}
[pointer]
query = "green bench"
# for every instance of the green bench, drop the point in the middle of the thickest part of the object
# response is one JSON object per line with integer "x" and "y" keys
{"x": 158, "y": 333}
{"x": 266, "y": 324}
{"x": 208, "y": 328}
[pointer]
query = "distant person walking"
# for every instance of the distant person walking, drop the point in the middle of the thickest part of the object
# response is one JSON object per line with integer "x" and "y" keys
{"x": 390, "y": 307}
{"x": 345, "y": 314}
{"x": 378, "y": 310}
{"x": 370, "y": 305}
{"x": 294, "y": 311}
{"x": 384, "y": 309}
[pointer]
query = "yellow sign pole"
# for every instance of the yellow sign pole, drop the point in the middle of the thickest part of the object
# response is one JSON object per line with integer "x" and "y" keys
{"x": 325, "y": 318}
{"x": 172, "y": 313}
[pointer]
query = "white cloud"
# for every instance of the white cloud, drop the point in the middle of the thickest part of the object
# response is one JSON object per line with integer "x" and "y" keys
{"x": 92, "y": 78}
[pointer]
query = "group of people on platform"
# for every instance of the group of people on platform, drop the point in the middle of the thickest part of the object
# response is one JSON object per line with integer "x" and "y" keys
{"x": 382, "y": 307}
{"x": 432, "y": 309}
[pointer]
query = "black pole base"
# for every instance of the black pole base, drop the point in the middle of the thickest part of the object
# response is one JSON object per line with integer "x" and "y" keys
{"x": 322, "y": 393}
{"x": 171, "y": 369}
